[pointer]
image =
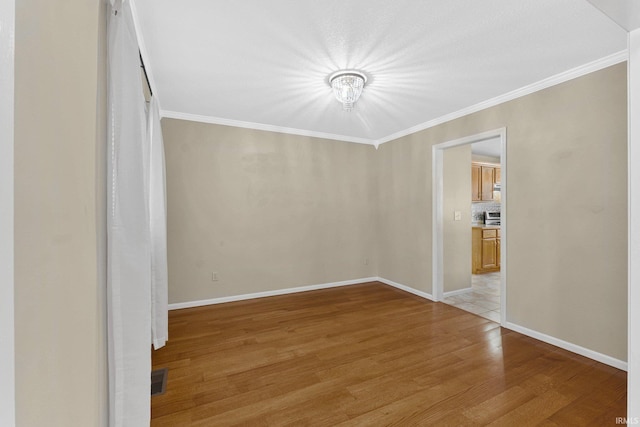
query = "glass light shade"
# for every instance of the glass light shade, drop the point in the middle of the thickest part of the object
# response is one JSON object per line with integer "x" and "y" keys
{"x": 347, "y": 87}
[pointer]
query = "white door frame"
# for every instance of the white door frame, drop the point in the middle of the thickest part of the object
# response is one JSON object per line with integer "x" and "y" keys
{"x": 633, "y": 177}
{"x": 438, "y": 215}
{"x": 7, "y": 331}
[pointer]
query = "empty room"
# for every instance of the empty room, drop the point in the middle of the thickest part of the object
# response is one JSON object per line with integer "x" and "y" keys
{"x": 320, "y": 213}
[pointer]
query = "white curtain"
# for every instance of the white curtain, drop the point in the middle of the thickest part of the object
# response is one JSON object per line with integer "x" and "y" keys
{"x": 129, "y": 252}
{"x": 158, "y": 228}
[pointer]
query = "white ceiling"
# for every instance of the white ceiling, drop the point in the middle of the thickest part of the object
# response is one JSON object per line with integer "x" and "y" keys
{"x": 264, "y": 64}
{"x": 625, "y": 12}
{"x": 488, "y": 147}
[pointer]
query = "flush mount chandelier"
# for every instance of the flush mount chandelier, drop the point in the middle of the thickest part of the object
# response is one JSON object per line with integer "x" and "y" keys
{"x": 347, "y": 86}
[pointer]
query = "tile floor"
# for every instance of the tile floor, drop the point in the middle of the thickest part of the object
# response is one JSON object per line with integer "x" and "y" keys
{"x": 483, "y": 300}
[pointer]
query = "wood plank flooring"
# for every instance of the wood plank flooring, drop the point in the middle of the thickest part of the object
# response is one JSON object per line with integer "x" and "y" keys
{"x": 371, "y": 355}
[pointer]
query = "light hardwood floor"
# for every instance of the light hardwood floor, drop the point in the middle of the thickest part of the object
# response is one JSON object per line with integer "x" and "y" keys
{"x": 371, "y": 355}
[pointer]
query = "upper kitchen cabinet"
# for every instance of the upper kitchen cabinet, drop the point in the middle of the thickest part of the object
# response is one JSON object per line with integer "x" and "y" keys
{"x": 476, "y": 182}
{"x": 483, "y": 177}
{"x": 488, "y": 176}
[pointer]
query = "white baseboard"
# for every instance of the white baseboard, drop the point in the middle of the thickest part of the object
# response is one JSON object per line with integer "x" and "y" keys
{"x": 603, "y": 358}
{"x": 457, "y": 292}
{"x": 221, "y": 300}
{"x": 599, "y": 357}
{"x": 190, "y": 304}
{"x": 405, "y": 288}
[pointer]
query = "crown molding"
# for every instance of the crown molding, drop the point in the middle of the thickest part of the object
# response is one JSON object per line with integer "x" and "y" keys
{"x": 262, "y": 126}
{"x": 565, "y": 76}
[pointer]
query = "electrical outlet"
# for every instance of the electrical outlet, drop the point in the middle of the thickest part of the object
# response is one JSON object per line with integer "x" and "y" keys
{"x": 366, "y": 261}
{"x": 214, "y": 276}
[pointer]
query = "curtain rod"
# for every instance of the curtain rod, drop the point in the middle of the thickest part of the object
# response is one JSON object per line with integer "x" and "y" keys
{"x": 144, "y": 69}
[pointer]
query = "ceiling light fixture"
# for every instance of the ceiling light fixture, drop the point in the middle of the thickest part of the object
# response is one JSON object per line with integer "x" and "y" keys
{"x": 347, "y": 86}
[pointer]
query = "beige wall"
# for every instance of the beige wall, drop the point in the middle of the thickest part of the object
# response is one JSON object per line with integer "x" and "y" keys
{"x": 59, "y": 327}
{"x": 264, "y": 210}
{"x": 404, "y": 194}
{"x": 567, "y": 208}
{"x": 456, "y": 196}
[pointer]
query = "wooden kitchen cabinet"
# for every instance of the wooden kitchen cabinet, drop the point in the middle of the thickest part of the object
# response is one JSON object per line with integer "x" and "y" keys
{"x": 483, "y": 177}
{"x": 488, "y": 179}
{"x": 485, "y": 250}
{"x": 476, "y": 183}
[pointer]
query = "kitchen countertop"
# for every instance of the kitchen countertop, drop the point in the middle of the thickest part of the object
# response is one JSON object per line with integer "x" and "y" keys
{"x": 486, "y": 227}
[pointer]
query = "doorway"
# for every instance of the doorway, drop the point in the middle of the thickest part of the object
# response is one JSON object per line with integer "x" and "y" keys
{"x": 489, "y": 288}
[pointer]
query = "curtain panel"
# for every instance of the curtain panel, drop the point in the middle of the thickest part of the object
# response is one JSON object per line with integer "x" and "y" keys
{"x": 158, "y": 228}
{"x": 128, "y": 239}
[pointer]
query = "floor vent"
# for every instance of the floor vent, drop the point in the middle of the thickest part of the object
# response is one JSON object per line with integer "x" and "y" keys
{"x": 159, "y": 381}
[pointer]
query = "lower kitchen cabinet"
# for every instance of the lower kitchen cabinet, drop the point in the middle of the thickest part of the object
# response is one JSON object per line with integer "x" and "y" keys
{"x": 485, "y": 249}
